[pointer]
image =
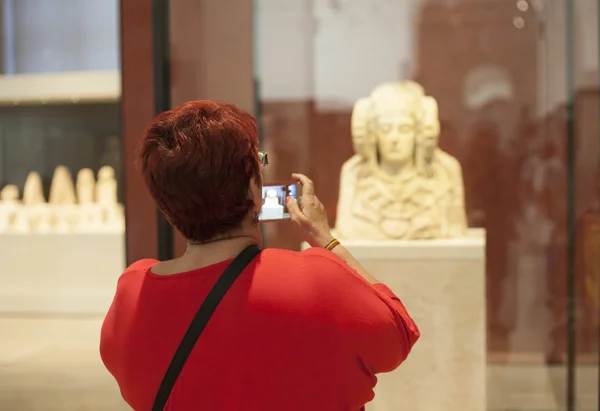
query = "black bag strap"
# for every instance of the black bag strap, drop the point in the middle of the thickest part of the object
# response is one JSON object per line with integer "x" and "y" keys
{"x": 197, "y": 325}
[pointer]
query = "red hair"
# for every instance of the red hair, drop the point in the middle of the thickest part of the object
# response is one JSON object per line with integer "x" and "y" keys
{"x": 197, "y": 161}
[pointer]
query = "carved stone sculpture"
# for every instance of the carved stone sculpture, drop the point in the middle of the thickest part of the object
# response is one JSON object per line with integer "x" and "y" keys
{"x": 33, "y": 191}
{"x": 62, "y": 190}
{"x": 63, "y": 211}
{"x": 399, "y": 185}
{"x": 35, "y": 207}
{"x": 10, "y": 217}
{"x": 88, "y": 207}
{"x": 9, "y": 194}
{"x": 85, "y": 186}
{"x": 107, "y": 199}
{"x": 90, "y": 213}
{"x": 106, "y": 188}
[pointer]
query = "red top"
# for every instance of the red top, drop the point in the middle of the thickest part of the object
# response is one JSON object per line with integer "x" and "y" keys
{"x": 296, "y": 332}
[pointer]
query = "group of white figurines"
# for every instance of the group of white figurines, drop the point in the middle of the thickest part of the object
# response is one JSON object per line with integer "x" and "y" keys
{"x": 89, "y": 205}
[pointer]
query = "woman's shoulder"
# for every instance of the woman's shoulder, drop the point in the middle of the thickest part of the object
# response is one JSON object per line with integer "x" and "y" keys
{"x": 313, "y": 278}
{"x": 137, "y": 270}
{"x": 312, "y": 257}
{"x": 308, "y": 253}
{"x": 142, "y": 264}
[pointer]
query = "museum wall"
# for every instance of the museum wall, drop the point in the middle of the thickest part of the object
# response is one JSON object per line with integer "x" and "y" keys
{"x": 201, "y": 67}
{"x": 60, "y": 35}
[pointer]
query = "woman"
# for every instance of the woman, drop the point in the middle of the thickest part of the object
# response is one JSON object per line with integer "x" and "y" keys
{"x": 297, "y": 331}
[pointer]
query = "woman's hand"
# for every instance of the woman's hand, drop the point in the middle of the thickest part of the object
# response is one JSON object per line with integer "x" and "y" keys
{"x": 309, "y": 216}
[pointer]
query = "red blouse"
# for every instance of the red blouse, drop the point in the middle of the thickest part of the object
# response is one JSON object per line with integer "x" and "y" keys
{"x": 297, "y": 331}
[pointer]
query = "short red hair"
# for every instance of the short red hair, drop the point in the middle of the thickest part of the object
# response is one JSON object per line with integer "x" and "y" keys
{"x": 197, "y": 161}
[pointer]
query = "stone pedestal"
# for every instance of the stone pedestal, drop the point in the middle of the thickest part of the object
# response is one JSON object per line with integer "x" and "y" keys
{"x": 60, "y": 273}
{"x": 442, "y": 284}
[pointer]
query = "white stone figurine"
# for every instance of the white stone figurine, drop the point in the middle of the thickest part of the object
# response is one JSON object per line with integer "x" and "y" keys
{"x": 34, "y": 203}
{"x": 33, "y": 191}
{"x": 9, "y": 195}
{"x": 107, "y": 199}
{"x": 90, "y": 213}
{"x": 85, "y": 186}
{"x": 399, "y": 185}
{"x": 11, "y": 216}
{"x": 62, "y": 190}
{"x": 106, "y": 187}
{"x": 63, "y": 210}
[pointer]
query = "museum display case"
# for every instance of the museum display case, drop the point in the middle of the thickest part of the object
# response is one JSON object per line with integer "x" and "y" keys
{"x": 516, "y": 89}
{"x": 61, "y": 215}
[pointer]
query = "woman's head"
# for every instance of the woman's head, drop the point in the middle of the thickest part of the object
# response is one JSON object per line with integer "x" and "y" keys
{"x": 200, "y": 162}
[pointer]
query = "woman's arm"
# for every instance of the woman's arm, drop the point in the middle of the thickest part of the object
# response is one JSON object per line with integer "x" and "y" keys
{"x": 311, "y": 218}
{"x": 371, "y": 318}
{"x": 370, "y": 315}
{"x": 345, "y": 255}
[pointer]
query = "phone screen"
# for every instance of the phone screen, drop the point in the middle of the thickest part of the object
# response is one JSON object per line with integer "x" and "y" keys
{"x": 274, "y": 197}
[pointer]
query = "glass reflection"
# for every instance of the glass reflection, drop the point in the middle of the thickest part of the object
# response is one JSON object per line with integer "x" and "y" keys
{"x": 498, "y": 72}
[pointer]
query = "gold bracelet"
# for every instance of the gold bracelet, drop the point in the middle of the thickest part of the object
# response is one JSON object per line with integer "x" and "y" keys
{"x": 332, "y": 244}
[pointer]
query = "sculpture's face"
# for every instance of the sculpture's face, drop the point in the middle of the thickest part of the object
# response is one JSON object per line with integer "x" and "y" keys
{"x": 395, "y": 131}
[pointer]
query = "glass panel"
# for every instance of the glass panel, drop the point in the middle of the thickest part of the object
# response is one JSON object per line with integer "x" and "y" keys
{"x": 498, "y": 70}
{"x": 41, "y": 36}
{"x": 61, "y": 223}
{"x": 586, "y": 205}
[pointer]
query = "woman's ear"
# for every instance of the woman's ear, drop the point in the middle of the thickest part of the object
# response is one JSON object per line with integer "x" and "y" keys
{"x": 255, "y": 193}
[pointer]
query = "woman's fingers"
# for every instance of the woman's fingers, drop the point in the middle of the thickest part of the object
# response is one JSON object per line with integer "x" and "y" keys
{"x": 296, "y": 214}
{"x": 308, "y": 188}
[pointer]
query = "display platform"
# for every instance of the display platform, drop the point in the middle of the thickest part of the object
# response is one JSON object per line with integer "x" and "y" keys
{"x": 66, "y": 273}
{"x": 442, "y": 284}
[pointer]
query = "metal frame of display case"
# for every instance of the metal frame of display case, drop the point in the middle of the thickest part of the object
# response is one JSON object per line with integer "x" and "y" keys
{"x": 570, "y": 272}
{"x": 162, "y": 102}
{"x": 598, "y": 193}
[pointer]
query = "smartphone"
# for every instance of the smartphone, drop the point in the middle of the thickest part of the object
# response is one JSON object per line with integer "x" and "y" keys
{"x": 274, "y": 204}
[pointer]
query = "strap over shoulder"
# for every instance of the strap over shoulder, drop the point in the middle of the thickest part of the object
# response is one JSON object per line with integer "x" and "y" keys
{"x": 208, "y": 307}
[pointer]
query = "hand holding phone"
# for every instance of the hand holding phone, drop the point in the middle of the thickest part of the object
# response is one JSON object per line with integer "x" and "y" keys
{"x": 310, "y": 216}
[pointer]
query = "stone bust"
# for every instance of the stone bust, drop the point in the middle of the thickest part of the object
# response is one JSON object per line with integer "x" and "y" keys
{"x": 399, "y": 185}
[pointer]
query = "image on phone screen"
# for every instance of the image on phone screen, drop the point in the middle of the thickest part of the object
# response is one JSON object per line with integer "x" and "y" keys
{"x": 274, "y": 201}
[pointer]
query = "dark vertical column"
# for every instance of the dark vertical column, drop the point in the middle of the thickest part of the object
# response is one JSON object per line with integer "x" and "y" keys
{"x": 4, "y": 33}
{"x": 571, "y": 290}
{"x": 162, "y": 102}
{"x": 598, "y": 193}
{"x": 137, "y": 111}
{"x": 211, "y": 49}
